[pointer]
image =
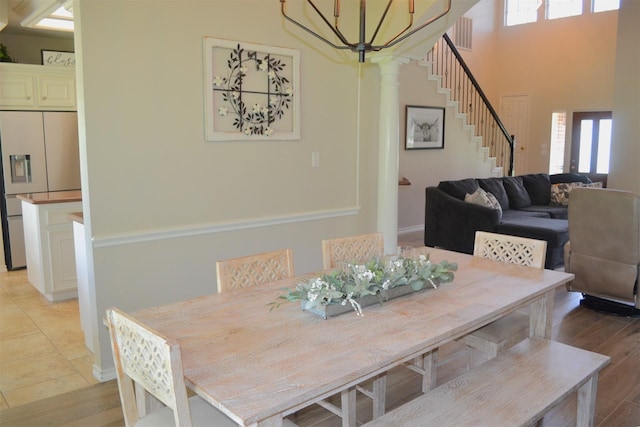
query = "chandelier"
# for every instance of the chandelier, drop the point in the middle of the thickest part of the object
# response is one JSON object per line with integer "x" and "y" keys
{"x": 362, "y": 46}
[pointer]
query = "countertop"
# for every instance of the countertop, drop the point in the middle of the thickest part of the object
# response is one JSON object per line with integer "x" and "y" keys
{"x": 77, "y": 217}
{"x": 51, "y": 197}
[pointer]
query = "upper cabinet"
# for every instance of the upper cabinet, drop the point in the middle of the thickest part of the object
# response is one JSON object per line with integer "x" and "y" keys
{"x": 36, "y": 87}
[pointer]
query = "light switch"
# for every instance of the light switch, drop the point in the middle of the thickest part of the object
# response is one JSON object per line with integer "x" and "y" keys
{"x": 315, "y": 159}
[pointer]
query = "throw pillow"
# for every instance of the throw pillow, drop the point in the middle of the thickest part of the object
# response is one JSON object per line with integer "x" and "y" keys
{"x": 482, "y": 198}
{"x": 593, "y": 185}
{"x": 538, "y": 186}
{"x": 560, "y": 192}
{"x": 495, "y": 187}
{"x": 518, "y": 196}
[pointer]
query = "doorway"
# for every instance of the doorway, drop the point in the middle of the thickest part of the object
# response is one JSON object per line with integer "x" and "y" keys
{"x": 591, "y": 144}
{"x": 514, "y": 112}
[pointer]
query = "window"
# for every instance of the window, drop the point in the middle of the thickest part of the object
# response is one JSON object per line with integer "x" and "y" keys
{"x": 518, "y": 12}
{"x": 558, "y": 131}
{"x": 521, "y": 11}
{"x": 563, "y": 8}
{"x": 605, "y": 5}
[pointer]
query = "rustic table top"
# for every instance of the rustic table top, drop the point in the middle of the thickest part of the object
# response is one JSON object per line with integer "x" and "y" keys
{"x": 257, "y": 365}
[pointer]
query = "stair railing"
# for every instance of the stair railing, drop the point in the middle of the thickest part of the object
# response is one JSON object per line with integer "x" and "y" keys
{"x": 456, "y": 76}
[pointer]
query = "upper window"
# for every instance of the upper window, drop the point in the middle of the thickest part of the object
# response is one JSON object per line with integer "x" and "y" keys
{"x": 605, "y": 5}
{"x": 521, "y": 11}
{"x": 525, "y": 11}
{"x": 563, "y": 8}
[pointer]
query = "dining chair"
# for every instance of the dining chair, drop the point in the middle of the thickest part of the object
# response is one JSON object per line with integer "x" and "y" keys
{"x": 498, "y": 336}
{"x": 150, "y": 378}
{"x": 251, "y": 270}
{"x": 352, "y": 248}
{"x": 357, "y": 248}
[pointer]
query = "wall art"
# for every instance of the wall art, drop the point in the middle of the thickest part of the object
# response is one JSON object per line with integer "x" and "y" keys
{"x": 251, "y": 91}
{"x": 425, "y": 127}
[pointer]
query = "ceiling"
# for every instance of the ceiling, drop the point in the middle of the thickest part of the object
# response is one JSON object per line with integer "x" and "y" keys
{"x": 19, "y": 10}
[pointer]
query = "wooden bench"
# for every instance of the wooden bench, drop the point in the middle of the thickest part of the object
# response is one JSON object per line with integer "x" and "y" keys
{"x": 515, "y": 388}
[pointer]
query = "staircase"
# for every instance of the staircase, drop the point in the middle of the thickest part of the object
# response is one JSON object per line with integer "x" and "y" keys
{"x": 463, "y": 92}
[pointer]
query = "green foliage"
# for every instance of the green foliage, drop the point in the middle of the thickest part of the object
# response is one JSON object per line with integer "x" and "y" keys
{"x": 353, "y": 281}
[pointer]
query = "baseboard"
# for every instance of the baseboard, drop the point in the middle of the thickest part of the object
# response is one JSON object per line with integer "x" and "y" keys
{"x": 104, "y": 375}
{"x": 413, "y": 229}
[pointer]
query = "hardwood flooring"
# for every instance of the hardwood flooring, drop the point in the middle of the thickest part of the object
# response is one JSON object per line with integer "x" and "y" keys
{"x": 618, "y": 400}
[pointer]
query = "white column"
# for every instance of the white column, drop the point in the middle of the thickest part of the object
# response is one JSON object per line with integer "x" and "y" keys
{"x": 388, "y": 148}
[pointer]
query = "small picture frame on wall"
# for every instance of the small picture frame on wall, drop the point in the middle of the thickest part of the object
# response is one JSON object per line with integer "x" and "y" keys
{"x": 424, "y": 128}
{"x": 58, "y": 58}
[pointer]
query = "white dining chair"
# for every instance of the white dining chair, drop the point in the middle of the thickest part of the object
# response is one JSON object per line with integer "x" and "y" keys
{"x": 509, "y": 330}
{"x": 359, "y": 248}
{"x": 251, "y": 270}
{"x": 351, "y": 249}
{"x": 151, "y": 381}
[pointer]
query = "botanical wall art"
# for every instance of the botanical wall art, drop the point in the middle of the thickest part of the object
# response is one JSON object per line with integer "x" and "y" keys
{"x": 425, "y": 127}
{"x": 251, "y": 91}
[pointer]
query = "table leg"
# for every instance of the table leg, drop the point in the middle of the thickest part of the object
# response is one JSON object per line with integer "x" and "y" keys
{"x": 540, "y": 317}
{"x": 348, "y": 400}
{"x": 587, "y": 402}
{"x": 379, "y": 395}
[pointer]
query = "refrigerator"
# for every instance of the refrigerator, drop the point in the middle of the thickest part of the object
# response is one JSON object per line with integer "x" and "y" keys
{"x": 39, "y": 154}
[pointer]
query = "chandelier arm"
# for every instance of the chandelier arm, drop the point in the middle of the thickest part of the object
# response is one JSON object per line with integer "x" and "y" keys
{"x": 293, "y": 21}
{"x": 335, "y": 29}
{"x": 382, "y": 18}
{"x": 397, "y": 39}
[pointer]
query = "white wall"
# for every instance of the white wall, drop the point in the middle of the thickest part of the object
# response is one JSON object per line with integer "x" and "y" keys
{"x": 625, "y": 150}
{"x": 162, "y": 204}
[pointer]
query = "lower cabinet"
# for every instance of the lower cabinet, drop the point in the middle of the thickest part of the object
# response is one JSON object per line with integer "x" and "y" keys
{"x": 50, "y": 250}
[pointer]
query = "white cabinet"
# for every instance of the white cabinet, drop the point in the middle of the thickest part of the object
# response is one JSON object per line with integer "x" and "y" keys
{"x": 50, "y": 249}
{"x": 36, "y": 87}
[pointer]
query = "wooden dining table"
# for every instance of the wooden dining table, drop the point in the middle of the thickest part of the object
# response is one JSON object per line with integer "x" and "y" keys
{"x": 259, "y": 365}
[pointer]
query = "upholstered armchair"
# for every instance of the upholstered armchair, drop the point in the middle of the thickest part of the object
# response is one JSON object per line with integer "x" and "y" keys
{"x": 604, "y": 248}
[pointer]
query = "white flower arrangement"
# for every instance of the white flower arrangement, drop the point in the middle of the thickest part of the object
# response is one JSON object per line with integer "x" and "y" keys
{"x": 344, "y": 286}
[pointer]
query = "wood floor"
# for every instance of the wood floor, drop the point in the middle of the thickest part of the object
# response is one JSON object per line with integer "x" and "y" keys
{"x": 618, "y": 401}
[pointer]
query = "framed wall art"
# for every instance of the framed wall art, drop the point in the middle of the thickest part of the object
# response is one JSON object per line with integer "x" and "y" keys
{"x": 251, "y": 91}
{"x": 424, "y": 128}
{"x": 58, "y": 58}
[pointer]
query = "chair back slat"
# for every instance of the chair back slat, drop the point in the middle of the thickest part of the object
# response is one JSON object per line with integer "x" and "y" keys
{"x": 512, "y": 249}
{"x": 352, "y": 248}
{"x": 241, "y": 272}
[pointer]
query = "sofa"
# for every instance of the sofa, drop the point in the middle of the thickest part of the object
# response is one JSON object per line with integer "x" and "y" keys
{"x": 532, "y": 206}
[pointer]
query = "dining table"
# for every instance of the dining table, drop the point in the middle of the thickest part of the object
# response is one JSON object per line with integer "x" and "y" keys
{"x": 258, "y": 364}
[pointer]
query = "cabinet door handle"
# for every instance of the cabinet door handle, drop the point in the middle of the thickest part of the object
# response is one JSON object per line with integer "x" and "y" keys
{"x": 28, "y": 98}
{"x": 44, "y": 98}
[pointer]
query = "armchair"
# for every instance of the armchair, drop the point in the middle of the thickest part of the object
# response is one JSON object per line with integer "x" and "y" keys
{"x": 604, "y": 249}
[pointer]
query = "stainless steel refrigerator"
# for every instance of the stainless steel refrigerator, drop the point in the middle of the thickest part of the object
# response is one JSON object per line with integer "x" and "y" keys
{"x": 39, "y": 154}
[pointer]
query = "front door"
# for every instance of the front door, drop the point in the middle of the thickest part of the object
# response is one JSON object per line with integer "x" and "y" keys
{"x": 591, "y": 144}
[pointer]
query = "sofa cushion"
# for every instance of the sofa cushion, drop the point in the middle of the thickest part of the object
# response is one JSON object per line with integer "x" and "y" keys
{"x": 495, "y": 187}
{"x": 568, "y": 177}
{"x": 555, "y": 211}
{"x": 538, "y": 186}
{"x": 518, "y": 196}
{"x": 460, "y": 188}
{"x": 482, "y": 198}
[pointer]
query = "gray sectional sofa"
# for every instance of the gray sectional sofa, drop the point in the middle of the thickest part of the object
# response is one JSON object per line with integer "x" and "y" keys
{"x": 525, "y": 210}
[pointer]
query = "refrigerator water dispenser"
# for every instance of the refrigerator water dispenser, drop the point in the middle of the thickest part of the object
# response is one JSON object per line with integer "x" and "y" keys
{"x": 20, "y": 168}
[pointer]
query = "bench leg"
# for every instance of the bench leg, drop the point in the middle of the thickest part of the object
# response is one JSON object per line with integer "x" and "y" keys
{"x": 587, "y": 402}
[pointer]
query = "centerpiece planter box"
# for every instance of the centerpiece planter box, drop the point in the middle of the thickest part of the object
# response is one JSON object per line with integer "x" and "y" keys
{"x": 336, "y": 308}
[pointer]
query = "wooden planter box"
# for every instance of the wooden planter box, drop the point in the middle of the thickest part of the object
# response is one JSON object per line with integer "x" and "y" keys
{"x": 334, "y": 309}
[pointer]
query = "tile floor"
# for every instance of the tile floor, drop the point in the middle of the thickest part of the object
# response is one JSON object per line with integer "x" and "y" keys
{"x": 42, "y": 351}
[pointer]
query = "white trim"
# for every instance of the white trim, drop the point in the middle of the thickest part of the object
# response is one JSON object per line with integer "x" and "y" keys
{"x": 104, "y": 375}
{"x": 411, "y": 229}
{"x": 172, "y": 233}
